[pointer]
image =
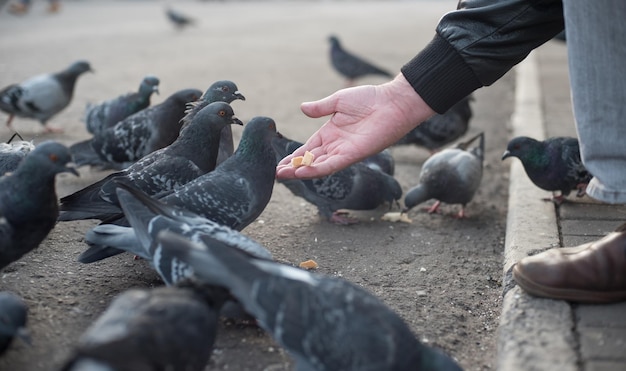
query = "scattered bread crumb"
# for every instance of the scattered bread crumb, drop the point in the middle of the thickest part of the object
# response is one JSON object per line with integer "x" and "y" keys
{"x": 305, "y": 160}
{"x": 396, "y": 217}
{"x": 309, "y": 264}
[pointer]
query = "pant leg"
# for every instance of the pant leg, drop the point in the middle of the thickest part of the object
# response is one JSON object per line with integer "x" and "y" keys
{"x": 596, "y": 45}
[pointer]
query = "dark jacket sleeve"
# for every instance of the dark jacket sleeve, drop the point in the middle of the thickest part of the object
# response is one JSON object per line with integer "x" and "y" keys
{"x": 477, "y": 44}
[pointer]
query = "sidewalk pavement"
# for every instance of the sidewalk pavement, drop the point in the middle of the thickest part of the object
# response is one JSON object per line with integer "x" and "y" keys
{"x": 543, "y": 334}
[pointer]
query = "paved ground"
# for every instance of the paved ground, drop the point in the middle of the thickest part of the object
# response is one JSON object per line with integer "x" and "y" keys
{"x": 541, "y": 334}
{"x": 440, "y": 274}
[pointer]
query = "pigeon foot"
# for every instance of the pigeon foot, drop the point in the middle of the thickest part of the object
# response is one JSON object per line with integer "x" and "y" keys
{"x": 342, "y": 218}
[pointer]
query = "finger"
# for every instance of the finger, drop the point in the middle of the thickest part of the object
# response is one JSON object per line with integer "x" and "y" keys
{"x": 319, "y": 108}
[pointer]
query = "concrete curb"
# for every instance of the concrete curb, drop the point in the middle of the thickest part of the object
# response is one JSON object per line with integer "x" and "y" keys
{"x": 533, "y": 334}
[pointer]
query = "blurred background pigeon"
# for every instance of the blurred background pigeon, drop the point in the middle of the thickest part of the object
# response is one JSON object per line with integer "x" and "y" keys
{"x": 441, "y": 129}
{"x": 358, "y": 187}
{"x": 28, "y": 201}
{"x": 13, "y": 152}
{"x": 351, "y": 66}
{"x": 451, "y": 176}
{"x": 102, "y": 116}
{"x": 13, "y": 315}
{"x": 43, "y": 96}
{"x": 325, "y": 323}
{"x": 220, "y": 91}
{"x": 178, "y": 19}
{"x": 553, "y": 164}
{"x": 165, "y": 328}
{"x": 192, "y": 154}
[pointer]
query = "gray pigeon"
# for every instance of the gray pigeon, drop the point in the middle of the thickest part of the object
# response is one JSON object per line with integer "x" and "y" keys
{"x": 351, "y": 66}
{"x": 13, "y": 315}
{"x": 358, "y": 187}
{"x": 148, "y": 216}
{"x": 441, "y": 129}
{"x": 12, "y": 153}
{"x": 192, "y": 154}
{"x": 104, "y": 115}
{"x": 382, "y": 161}
{"x": 144, "y": 132}
{"x": 28, "y": 201}
{"x": 232, "y": 195}
{"x": 325, "y": 323}
{"x": 219, "y": 91}
{"x": 451, "y": 176}
{"x": 553, "y": 164}
{"x": 43, "y": 96}
{"x": 178, "y": 19}
{"x": 165, "y": 328}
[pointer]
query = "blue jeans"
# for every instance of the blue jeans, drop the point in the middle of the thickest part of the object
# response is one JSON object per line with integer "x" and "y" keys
{"x": 596, "y": 45}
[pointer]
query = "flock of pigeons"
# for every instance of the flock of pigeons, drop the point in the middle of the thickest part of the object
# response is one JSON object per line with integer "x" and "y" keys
{"x": 182, "y": 193}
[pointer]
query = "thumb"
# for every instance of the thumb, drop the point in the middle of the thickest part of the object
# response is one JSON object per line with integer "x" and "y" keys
{"x": 319, "y": 108}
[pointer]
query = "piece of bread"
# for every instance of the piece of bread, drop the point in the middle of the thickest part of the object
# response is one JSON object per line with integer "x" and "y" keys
{"x": 305, "y": 160}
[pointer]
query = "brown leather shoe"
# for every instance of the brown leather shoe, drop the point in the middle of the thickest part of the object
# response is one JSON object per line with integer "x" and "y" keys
{"x": 590, "y": 273}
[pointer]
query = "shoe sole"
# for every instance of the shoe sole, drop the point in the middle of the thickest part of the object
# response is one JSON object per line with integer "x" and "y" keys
{"x": 578, "y": 296}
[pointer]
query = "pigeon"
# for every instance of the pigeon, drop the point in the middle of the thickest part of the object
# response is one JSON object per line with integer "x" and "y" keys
{"x": 358, "y": 187}
{"x": 232, "y": 195}
{"x": 441, "y": 129}
{"x": 239, "y": 189}
{"x": 28, "y": 201}
{"x": 382, "y": 161}
{"x": 13, "y": 315}
{"x": 452, "y": 175}
{"x": 43, "y": 96}
{"x": 219, "y": 91}
{"x": 12, "y": 153}
{"x": 108, "y": 113}
{"x": 178, "y": 19}
{"x": 143, "y": 132}
{"x": 351, "y": 66}
{"x": 165, "y": 328}
{"x": 324, "y": 322}
{"x": 192, "y": 154}
{"x": 553, "y": 164}
{"x": 147, "y": 216}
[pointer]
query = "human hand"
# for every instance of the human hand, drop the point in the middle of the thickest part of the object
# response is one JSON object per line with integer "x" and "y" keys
{"x": 365, "y": 120}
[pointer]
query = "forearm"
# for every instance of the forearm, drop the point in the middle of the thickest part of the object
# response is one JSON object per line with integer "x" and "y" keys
{"x": 477, "y": 44}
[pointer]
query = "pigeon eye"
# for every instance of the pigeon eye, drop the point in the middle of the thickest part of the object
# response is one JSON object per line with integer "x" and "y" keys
{"x": 225, "y": 88}
{"x": 222, "y": 113}
{"x": 53, "y": 157}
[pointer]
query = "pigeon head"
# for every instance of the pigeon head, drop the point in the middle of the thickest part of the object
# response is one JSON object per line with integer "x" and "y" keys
{"x": 13, "y": 314}
{"x": 219, "y": 109}
{"x": 257, "y": 137}
{"x": 79, "y": 67}
{"x": 524, "y": 148}
{"x": 393, "y": 190}
{"x": 55, "y": 155}
{"x": 149, "y": 85}
{"x": 334, "y": 41}
{"x": 222, "y": 91}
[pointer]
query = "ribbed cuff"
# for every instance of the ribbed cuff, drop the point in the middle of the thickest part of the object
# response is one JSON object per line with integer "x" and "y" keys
{"x": 440, "y": 76}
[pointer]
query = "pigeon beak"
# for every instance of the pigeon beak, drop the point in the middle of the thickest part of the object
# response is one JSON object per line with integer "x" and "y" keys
{"x": 279, "y": 135}
{"x": 506, "y": 154}
{"x": 155, "y": 89}
{"x": 238, "y": 95}
{"x": 72, "y": 170}
{"x": 236, "y": 121}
